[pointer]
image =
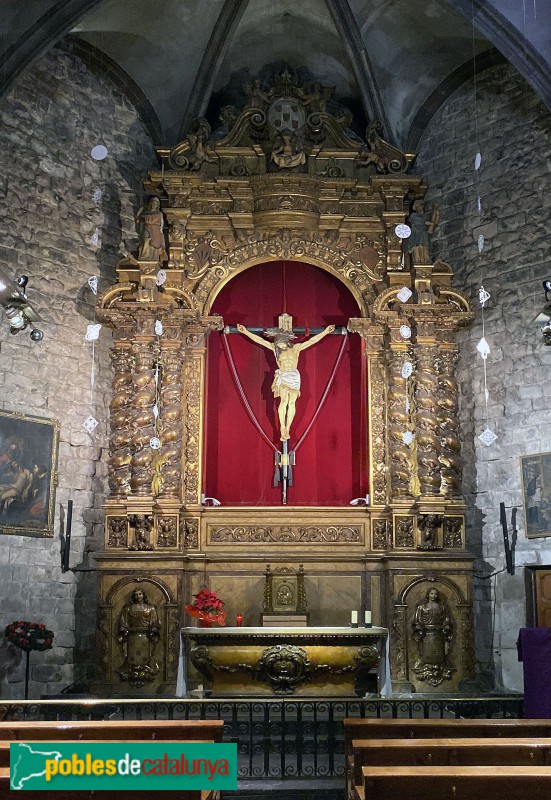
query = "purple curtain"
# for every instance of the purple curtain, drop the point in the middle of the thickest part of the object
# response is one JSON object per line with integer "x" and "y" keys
{"x": 534, "y": 650}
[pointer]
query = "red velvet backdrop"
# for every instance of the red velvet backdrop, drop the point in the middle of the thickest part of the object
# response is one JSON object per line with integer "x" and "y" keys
{"x": 331, "y": 462}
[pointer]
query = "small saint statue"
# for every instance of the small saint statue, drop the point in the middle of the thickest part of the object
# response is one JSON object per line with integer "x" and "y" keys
{"x": 422, "y": 224}
{"x": 152, "y": 239}
{"x": 432, "y": 626}
{"x": 138, "y": 632}
{"x": 286, "y": 383}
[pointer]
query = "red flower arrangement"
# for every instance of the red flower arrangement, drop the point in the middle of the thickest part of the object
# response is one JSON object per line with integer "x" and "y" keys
{"x": 29, "y": 636}
{"x": 207, "y": 606}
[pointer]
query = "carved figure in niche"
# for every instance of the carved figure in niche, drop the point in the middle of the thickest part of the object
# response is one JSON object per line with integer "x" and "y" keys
{"x": 142, "y": 525}
{"x": 287, "y": 151}
{"x": 138, "y": 632}
{"x": 286, "y": 384}
{"x": 151, "y": 229}
{"x": 428, "y": 524}
{"x": 433, "y": 631}
{"x": 422, "y": 224}
{"x": 167, "y": 532}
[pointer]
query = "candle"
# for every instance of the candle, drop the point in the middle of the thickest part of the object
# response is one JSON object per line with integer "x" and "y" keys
{"x": 367, "y": 617}
{"x": 353, "y": 617}
{"x": 239, "y": 620}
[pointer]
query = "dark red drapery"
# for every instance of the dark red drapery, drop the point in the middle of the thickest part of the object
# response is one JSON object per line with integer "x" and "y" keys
{"x": 331, "y": 462}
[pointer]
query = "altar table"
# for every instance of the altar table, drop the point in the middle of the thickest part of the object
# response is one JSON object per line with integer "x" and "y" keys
{"x": 302, "y": 662}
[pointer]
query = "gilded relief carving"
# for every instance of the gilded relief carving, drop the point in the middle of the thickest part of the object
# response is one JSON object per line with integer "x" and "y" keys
{"x": 453, "y": 532}
{"x": 429, "y": 526}
{"x": 142, "y": 525}
{"x": 329, "y": 534}
{"x": 117, "y": 532}
{"x": 404, "y": 532}
{"x": 191, "y": 534}
{"x": 398, "y": 420}
{"x": 193, "y": 374}
{"x": 380, "y": 534}
{"x": 378, "y": 431}
{"x": 167, "y": 532}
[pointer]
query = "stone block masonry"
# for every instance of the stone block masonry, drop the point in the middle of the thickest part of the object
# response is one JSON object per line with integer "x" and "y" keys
{"x": 63, "y": 218}
{"x": 511, "y": 128}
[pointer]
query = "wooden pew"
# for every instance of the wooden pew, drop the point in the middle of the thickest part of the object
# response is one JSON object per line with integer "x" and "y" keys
{"x": 373, "y": 728}
{"x": 60, "y": 794}
{"x": 117, "y": 730}
{"x": 455, "y": 783}
{"x": 445, "y": 752}
{"x": 5, "y": 746}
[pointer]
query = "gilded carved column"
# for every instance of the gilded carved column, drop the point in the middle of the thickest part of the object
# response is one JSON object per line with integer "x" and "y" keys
{"x": 426, "y": 420}
{"x": 401, "y": 471}
{"x": 170, "y": 427}
{"x": 194, "y": 377}
{"x": 448, "y": 419}
{"x": 121, "y": 417}
{"x": 143, "y": 422}
{"x": 373, "y": 336}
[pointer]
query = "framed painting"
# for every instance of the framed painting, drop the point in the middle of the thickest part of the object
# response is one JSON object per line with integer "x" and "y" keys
{"x": 536, "y": 494}
{"x": 28, "y": 474}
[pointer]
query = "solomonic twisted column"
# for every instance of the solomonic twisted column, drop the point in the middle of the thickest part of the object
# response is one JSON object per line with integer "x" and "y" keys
{"x": 171, "y": 423}
{"x": 448, "y": 420}
{"x": 121, "y": 415}
{"x": 426, "y": 422}
{"x": 143, "y": 422}
{"x": 398, "y": 418}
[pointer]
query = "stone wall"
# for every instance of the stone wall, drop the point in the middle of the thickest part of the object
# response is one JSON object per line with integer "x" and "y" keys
{"x": 511, "y": 128}
{"x": 63, "y": 217}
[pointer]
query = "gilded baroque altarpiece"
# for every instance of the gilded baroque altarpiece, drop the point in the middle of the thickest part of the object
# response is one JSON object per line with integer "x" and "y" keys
{"x": 257, "y": 193}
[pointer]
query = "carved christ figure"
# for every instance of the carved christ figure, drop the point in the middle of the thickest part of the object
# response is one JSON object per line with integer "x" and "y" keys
{"x": 286, "y": 383}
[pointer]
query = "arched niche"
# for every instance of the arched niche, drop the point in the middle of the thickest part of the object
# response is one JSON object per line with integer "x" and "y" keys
{"x": 331, "y": 464}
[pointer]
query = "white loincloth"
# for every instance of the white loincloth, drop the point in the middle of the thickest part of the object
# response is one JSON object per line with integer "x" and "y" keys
{"x": 286, "y": 377}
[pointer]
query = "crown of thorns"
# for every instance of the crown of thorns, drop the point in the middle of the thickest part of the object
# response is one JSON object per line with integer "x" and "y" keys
{"x": 280, "y": 335}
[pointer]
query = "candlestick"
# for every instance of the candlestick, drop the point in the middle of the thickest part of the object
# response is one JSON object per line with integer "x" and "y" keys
{"x": 367, "y": 619}
{"x": 354, "y": 619}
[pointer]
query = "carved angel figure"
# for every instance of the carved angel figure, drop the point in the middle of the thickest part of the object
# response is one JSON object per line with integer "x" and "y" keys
{"x": 152, "y": 239}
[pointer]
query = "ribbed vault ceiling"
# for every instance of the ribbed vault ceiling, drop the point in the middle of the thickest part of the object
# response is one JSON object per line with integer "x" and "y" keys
{"x": 391, "y": 60}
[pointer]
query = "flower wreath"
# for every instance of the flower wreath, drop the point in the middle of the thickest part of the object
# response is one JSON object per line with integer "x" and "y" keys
{"x": 29, "y": 635}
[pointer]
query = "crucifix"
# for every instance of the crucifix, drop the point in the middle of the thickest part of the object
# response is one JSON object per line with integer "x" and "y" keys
{"x": 286, "y": 383}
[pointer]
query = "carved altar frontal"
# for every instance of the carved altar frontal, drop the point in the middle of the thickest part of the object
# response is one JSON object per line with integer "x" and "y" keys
{"x": 286, "y": 181}
{"x": 303, "y": 662}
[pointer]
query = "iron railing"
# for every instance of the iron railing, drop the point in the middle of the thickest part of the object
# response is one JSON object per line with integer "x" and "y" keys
{"x": 280, "y": 738}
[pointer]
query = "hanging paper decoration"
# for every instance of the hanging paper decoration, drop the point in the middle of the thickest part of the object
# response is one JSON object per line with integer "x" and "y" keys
{"x": 161, "y": 277}
{"x": 90, "y": 423}
{"x": 155, "y": 410}
{"x": 483, "y": 296}
{"x": 483, "y": 348}
{"x": 404, "y": 294}
{"x": 402, "y": 231}
{"x": 99, "y": 152}
{"x": 92, "y": 332}
{"x": 488, "y": 437}
{"x": 407, "y": 369}
{"x": 477, "y": 161}
{"x": 154, "y": 442}
{"x": 481, "y": 243}
{"x": 405, "y": 331}
{"x": 93, "y": 283}
{"x": 479, "y": 205}
{"x": 408, "y": 437}
{"x": 98, "y": 194}
{"x": 158, "y": 328}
